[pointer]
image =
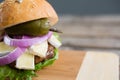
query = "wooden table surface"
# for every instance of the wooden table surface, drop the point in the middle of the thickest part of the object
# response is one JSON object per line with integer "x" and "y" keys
{"x": 80, "y": 65}
{"x": 65, "y": 68}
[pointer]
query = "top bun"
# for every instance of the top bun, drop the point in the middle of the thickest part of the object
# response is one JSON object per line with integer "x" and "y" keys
{"x": 13, "y": 12}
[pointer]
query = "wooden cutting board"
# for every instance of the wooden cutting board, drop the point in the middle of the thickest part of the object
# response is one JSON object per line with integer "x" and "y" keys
{"x": 65, "y": 68}
{"x": 95, "y": 66}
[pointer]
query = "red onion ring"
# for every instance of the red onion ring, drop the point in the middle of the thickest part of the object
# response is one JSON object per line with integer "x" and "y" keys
{"x": 26, "y": 41}
{"x": 7, "y": 59}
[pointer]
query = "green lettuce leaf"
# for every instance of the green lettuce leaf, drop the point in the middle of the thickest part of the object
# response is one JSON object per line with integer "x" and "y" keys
{"x": 57, "y": 36}
{"x": 15, "y": 74}
{"x": 41, "y": 65}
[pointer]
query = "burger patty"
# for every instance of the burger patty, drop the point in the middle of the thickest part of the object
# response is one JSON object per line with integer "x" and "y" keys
{"x": 50, "y": 54}
{"x": 1, "y": 35}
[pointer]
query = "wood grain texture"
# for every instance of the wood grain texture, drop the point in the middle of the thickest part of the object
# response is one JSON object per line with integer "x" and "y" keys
{"x": 90, "y": 26}
{"x": 90, "y": 32}
{"x": 65, "y": 68}
{"x": 99, "y": 66}
{"x": 92, "y": 42}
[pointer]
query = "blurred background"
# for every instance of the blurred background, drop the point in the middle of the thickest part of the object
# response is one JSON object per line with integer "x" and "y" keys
{"x": 89, "y": 24}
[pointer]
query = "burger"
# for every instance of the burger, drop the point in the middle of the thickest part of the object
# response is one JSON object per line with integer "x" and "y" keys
{"x": 27, "y": 41}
